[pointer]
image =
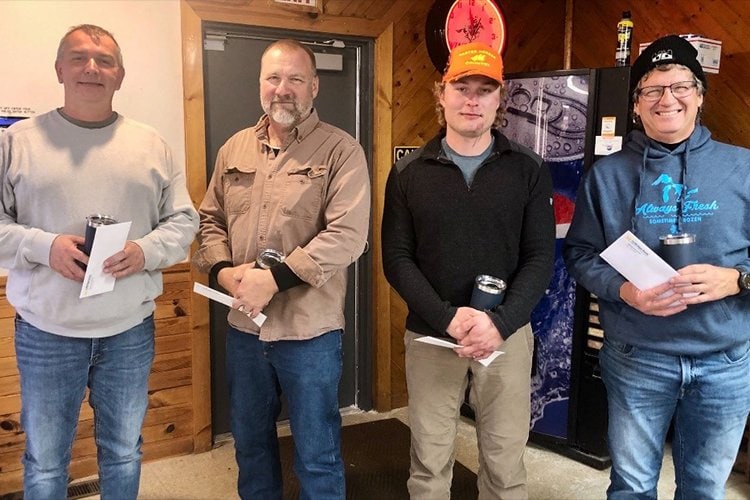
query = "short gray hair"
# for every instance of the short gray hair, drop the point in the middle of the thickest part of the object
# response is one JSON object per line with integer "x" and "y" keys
{"x": 289, "y": 44}
{"x": 95, "y": 33}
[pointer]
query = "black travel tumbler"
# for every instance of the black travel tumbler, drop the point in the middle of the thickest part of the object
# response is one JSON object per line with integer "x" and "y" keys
{"x": 92, "y": 222}
{"x": 488, "y": 292}
{"x": 678, "y": 250}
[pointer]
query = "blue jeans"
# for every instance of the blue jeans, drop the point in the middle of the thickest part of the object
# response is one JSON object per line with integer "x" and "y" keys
{"x": 55, "y": 372}
{"x": 708, "y": 397}
{"x": 308, "y": 373}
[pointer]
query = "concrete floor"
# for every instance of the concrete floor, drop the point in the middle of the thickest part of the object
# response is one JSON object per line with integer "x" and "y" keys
{"x": 212, "y": 475}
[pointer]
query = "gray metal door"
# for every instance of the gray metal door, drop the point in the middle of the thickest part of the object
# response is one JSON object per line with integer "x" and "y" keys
{"x": 231, "y": 67}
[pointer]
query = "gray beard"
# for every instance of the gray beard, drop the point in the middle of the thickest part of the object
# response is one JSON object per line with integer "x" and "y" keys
{"x": 285, "y": 117}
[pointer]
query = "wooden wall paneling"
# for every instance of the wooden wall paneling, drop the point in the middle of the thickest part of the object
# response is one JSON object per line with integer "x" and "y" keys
{"x": 419, "y": 120}
{"x": 8, "y": 363}
{"x": 11, "y": 436}
{"x": 536, "y": 35}
{"x": 413, "y": 79}
{"x": 173, "y": 369}
{"x": 375, "y": 10}
{"x": 9, "y": 388}
{"x": 335, "y": 7}
{"x": 356, "y": 9}
{"x": 7, "y": 349}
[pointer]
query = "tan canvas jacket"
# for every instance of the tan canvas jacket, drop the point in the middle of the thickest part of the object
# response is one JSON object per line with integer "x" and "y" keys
{"x": 311, "y": 201}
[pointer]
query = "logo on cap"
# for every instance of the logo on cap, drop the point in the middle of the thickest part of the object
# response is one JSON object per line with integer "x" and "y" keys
{"x": 475, "y": 58}
{"x": 662, "y": 55}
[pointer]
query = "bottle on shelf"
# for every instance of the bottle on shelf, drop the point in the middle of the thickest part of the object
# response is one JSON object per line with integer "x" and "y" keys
{"x": 624, "y": 40}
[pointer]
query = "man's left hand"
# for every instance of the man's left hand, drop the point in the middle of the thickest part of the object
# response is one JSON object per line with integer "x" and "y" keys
{"x": 709, "y": 282}
{"x": 256, "y": 289}
{"x": 129, "y": 260}
{"x": 482, "y": 338}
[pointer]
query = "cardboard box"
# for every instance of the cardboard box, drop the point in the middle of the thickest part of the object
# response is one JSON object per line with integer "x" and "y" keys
{"x": 709, "y": 51}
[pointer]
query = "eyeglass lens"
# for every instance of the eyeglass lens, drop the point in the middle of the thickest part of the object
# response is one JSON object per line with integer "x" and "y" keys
{"x": 678, "y": 89}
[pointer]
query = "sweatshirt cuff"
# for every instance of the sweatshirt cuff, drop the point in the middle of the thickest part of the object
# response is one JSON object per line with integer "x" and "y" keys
{"x": 213, "y": 274}
{"x": 285, "y": 277}
{"x": 613, "y": 289}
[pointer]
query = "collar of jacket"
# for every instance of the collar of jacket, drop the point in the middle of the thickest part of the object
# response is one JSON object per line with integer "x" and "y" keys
{"x": 434, "y": 150}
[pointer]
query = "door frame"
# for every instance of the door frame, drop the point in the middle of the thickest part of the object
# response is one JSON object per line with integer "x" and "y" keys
{"x": 193, "y": 13}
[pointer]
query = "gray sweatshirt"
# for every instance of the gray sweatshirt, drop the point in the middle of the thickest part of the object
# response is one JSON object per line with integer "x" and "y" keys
{"x": 55, "y": 173}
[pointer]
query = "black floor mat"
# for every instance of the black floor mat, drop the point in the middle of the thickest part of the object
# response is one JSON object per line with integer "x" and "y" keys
{"x": 376, "y": 457}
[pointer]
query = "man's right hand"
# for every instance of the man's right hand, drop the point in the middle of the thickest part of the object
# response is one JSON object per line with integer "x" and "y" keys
{"x": 64, "y": 257}
{"x": 651, "y": 301}
{"x": 225, "y": 277}
{"x": 455, "y": 327}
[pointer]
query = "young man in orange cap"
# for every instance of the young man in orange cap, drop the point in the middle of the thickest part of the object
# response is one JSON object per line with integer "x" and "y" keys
{"x": 469, "y": 203}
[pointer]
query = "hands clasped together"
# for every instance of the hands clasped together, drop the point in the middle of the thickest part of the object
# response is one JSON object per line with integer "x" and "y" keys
{"x": 695, "y": 284}
{"x": 475, "y": 333}
{"x": 252, "y": 288}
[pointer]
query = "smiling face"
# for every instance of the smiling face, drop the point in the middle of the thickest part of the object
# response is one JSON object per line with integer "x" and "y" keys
{"x": 669, "y": 120}
{"x": 470, "y": 106}
{"x": 90, "y": 73}
{"x": 288, "y": 85}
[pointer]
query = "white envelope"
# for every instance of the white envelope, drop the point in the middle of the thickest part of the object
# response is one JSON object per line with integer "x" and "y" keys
{"x": 108, "y": 240}
{"x": 637, "y": 262}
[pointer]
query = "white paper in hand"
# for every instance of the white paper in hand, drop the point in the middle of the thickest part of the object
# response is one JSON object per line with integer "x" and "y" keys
{"x": 108, "y": 241}
{"x": 450, "y": 345}
{"x": 637, "y": 262}
{"x": 223, "y": 298}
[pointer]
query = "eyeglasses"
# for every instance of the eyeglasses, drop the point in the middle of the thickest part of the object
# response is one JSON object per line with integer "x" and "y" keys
{"x": 678, "y": 89}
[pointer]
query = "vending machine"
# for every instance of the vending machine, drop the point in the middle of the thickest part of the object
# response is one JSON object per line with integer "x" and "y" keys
{"x": 570, "y": 118}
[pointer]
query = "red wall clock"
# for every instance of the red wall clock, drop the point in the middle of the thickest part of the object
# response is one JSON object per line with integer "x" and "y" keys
{"x": 456, "y": 22}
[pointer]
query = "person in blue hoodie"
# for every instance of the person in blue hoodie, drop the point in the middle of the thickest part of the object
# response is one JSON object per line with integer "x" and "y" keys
{"x": 676, "y": 353}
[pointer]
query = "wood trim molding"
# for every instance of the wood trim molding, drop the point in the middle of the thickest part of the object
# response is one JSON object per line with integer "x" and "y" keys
{"x": 383, "y": 145}
{"x": 195, "y": 153}
{"x": 193, "y": 13}
{"x": 568, "y": 43}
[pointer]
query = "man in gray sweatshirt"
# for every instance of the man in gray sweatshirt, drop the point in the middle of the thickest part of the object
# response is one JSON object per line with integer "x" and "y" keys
{"x": 55, "y": 170}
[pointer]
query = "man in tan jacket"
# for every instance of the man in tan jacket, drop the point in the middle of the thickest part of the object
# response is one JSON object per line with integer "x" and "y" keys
{"x": 300, "y": 187}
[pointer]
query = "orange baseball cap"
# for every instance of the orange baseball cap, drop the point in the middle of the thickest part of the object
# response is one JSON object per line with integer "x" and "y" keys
{"x": 475, "y": 58}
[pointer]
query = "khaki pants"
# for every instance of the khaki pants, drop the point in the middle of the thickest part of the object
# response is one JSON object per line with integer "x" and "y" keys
{"x": 500, "y": 395}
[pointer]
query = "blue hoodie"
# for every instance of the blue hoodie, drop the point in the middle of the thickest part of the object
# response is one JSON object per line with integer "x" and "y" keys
{"x": 640, "y": 189}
